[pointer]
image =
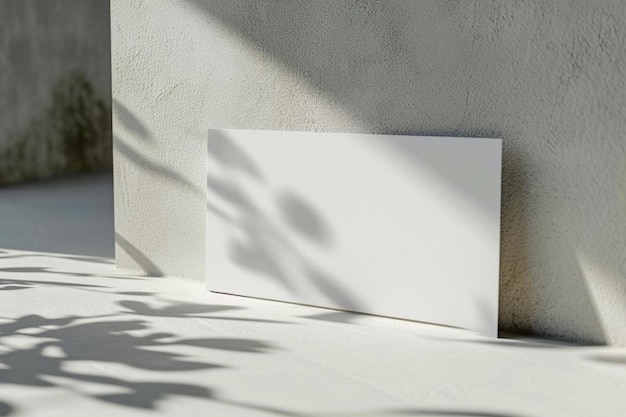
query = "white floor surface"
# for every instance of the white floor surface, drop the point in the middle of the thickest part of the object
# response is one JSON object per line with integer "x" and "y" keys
{"x": 80, "y": 338}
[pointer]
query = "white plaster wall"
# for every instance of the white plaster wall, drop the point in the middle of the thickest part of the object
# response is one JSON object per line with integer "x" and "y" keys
{"x": 549, "y": 77}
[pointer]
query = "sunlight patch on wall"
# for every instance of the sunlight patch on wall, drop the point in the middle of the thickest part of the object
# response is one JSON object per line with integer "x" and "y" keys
{"x": 603, "y": 285}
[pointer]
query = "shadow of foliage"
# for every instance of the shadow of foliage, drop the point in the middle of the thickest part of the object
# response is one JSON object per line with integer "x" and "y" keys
{"x": 110, "y": 339}
{"x": 184, "y": 310}
{"x": 21, "y": 284}
{"x": 259, "y": 244}
{"x": 46, "y": 352}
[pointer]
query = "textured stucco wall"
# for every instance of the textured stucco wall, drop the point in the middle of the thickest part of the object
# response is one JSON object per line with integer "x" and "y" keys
{"x": 549, "y": 77}
{"x": 55, "y": 87}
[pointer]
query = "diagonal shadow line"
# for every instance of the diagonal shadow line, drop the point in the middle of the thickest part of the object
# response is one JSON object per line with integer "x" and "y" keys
{"x": 33, "y": 283}
{"x": 390, "y": 412}
{"x": 244, "y": 319}
{"x": 57, "y": 256}
{"x": 184, "y": 310}
{"x": 156, "y": 169}
{"x": 130, "y": 121}
{"x": 149, "y": 267}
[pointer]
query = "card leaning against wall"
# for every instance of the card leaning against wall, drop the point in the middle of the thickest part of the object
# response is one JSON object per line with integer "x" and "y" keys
{"x": 399, "y": 226}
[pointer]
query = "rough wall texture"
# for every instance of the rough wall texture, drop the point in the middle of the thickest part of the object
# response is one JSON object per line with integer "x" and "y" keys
{"x": 549, "y": 77}
{"x": 54, "y": 87}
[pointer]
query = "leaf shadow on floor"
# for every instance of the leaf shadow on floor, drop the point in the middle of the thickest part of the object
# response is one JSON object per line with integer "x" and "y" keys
{"x": 40, "y": 352}
{"x": 47, "y": 352}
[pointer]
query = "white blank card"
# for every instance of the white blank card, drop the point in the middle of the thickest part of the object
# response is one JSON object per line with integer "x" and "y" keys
{"x": 399, "y": 226}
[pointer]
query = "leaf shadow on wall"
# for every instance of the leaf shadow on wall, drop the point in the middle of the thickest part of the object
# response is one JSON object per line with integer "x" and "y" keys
{"x": 369, "y": 57}
{"x": 259, "y": 243}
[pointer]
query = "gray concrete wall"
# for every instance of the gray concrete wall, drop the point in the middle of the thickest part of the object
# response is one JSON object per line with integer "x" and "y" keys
{"x": 549, "y": 77}
{"x": 54, "y": 87}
